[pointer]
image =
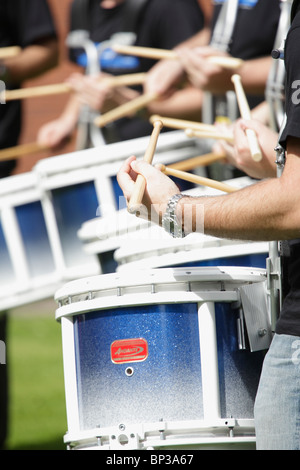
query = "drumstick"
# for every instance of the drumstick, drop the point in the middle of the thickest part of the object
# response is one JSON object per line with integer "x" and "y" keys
{"x": 140, "y": 184}
{"x": 246, "y": 114}
{"x": 125, "y": 109}
{"x": 175, "y": 123}
{"x": 46, "y": 90}
{"x": 6, "y": 52}
{"x": 197, "y": 179}
{"x": 60, "y": 88}
{"x": 209, "y": 135}
{"x": 153, "y": 53}
{"x": 14, "y": 152}
{"x": 201, "y": 160}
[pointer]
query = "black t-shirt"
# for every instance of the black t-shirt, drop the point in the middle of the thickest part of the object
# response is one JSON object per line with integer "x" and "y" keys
{"x": 255, "y": 27}
{"x": 161, "y": 24}
{"x": 254, "y": 31}
{"x": 22, "y": 23}
{"x": 289, "y": 321}
{"x": 164, "y": 25}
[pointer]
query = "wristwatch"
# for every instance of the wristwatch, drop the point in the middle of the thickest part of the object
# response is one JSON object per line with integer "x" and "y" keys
{"x": 169, "y": 220}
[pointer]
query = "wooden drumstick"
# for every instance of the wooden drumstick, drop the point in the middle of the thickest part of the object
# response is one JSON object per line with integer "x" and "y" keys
{"x": 201, "y": 160}
{"x": 152, "y": 53}
{"x": 6, "y": 52}
{"x": 209, "y": 135}
{"x": 15, "y": 152}
{"x": 33, "y": 92}
{"x": 126, "y": 109}
{"x": 175, "y": 123}
{"x": 197, "y": 179}
{"x": 61, "y": 88}
{"x": 140, "y": 184}
{"x": 246, "y": 114}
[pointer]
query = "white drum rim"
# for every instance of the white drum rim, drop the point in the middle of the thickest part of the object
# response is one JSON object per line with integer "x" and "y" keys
{"x": 109, "y": 153}
{"x": 180, "y": 254}
{"x": 119, "y": 290}
{"x": 220, "y": 431}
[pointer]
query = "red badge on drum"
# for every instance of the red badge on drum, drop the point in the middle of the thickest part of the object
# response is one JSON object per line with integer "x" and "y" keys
{"x": 129, "y": 350}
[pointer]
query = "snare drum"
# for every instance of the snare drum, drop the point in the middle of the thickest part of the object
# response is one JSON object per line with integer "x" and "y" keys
{"x": 27, "y": 270}
{"x": 194, "y": 250}
{"x": 160, "y": 359}
{"x": 80, "y": 186}
{"x": 102, "y": 236}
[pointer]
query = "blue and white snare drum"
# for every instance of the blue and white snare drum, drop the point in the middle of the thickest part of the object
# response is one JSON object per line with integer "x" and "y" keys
{"x": 102, "y": 236}
{"x": 27, "y": 270}
{"x": 80, "y": 186}
{"x": 160, "y": 359}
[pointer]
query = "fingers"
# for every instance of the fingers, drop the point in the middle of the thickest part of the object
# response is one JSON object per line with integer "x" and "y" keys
{"x": 90, "y": 90}
{"x": 144, "y": 169}
{"x": 196, "y": 65}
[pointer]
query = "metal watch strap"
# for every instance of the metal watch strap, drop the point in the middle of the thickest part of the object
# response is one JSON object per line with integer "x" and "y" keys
{"x": 169, "y": 220}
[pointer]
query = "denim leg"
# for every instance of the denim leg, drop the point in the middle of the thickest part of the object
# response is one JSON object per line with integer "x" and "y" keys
{"x": 277, "y": 405}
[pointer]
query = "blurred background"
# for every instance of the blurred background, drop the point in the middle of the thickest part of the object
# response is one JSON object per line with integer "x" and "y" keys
{"x": 44, "y": 109}
{"x": 37, "y": 418}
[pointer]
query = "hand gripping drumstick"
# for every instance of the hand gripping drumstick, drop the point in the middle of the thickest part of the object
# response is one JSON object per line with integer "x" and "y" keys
{"x": 226, "y": 188}
{"x": 152, "y": 53}
{"x": 140, "y": 184}
{"x": 61, "y": 88}
{"x": 246, "y": 114}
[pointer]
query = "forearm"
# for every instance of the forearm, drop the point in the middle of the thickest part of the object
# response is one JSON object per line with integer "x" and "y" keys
{"x": 228, "y": 216}
{"x": 198, "y": 40}
{"x": 261, "y": 113}
{"x": 253, "y": 82}
{"x": 32, "y": 61}
{"x": 184, "y": 104}
{"x": 71, "y": 112}
{"x": 268, "y": 210}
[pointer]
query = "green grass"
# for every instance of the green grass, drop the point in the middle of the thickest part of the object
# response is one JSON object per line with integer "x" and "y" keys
{"x": 37, "y": 416}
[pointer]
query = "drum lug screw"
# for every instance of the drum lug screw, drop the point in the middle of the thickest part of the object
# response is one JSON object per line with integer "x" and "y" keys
{"x": 262, "y": 332}
{"x": 122, "y": 427}
{"x": 161, "y": 431}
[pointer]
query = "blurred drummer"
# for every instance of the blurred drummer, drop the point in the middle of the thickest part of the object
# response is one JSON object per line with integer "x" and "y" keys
{"x": 28, "y": 24}
{"x": 241, "y": 29}
{"x": 162, "y": 24}
{"x": 248, "y": 35}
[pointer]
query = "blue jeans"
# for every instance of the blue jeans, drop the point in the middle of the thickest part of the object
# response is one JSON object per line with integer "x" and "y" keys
{"x": 277, "y": 405}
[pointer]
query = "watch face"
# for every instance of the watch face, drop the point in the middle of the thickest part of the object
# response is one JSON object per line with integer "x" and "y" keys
{"x": 169, "y": 221}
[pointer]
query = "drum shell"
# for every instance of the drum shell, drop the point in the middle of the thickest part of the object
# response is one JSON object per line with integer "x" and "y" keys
{"x": 168, "y": 382}
{"x": 28, "y": 271}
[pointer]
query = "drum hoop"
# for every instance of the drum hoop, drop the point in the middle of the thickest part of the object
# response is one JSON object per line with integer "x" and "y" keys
{"x": 242, "y": 430}
{"x": 114, "y": 290}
